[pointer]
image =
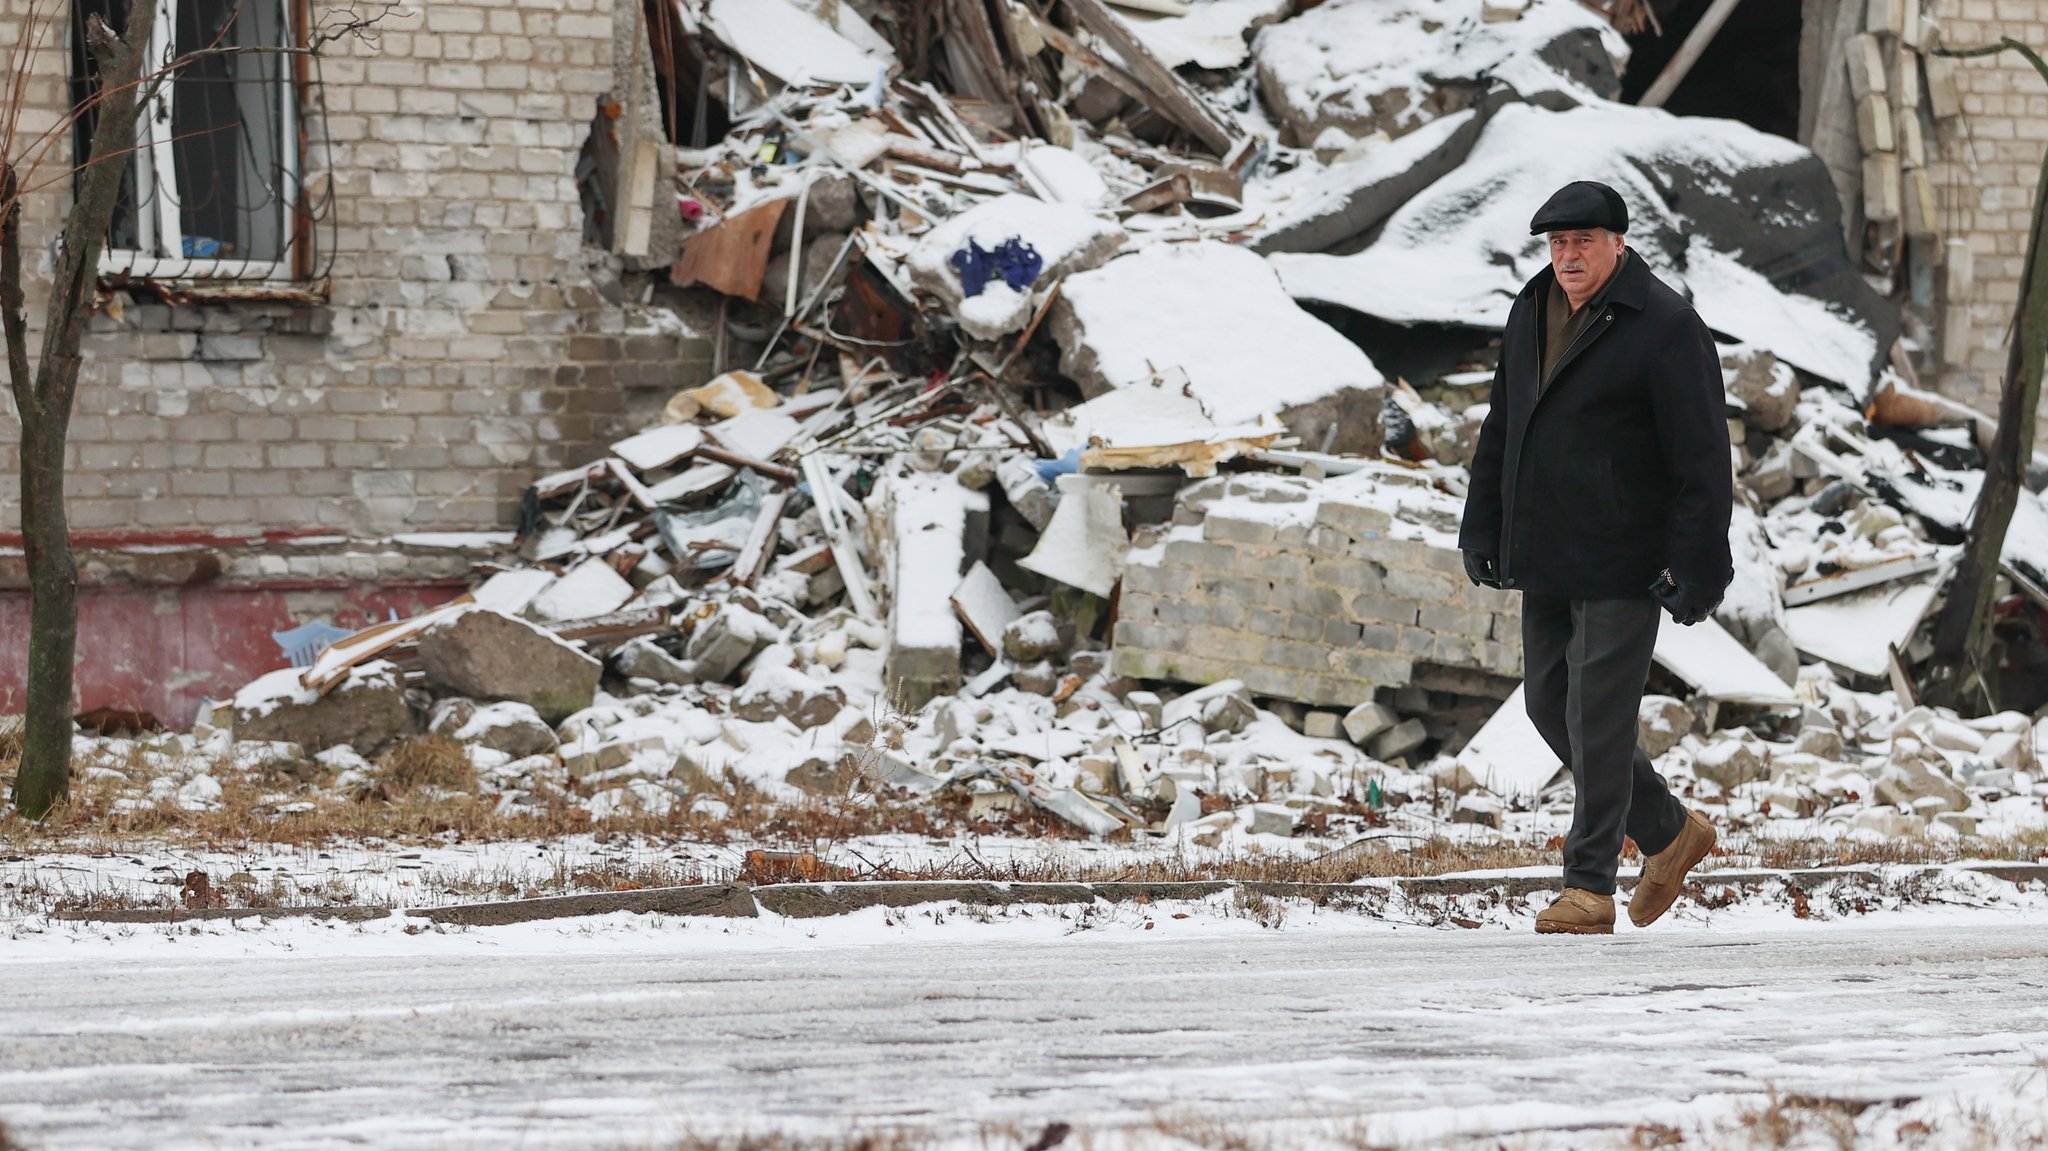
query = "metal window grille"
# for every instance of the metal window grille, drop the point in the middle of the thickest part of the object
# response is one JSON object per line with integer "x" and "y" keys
{"x": 214, "y": 187}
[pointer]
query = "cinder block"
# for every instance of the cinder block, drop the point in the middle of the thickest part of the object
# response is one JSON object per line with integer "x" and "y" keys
{"x": 1269, "y": 623}
{"x": 1308, "y": 598}
{"x": 1342, "y": 633}
{"x": 1375, "y": 667}
{"x": 1866, "y": 66}
{"x": 1283, "y": 567}
{"x": 1247, "y": 591}
{"x": 1137, "y": 633}
{"x": 1278, "y": 682}
{"x": 1421, "y": 586}
{"x": 1231, "y": 529}
{"x": 1374, "y": 608}
{"x": 1301, "y": 656}
{"x": 1196, "y": 554}
{"x": 1353, "y": 519}
{"x": 1454, "y": 621}
{"x": 1148, "y": 578}
{"x": 1347, "y": 574}
{"x": 1874, "y": 124}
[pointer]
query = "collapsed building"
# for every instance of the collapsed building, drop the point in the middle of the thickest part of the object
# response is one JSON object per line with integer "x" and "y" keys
{"x": 1062, "y": 406}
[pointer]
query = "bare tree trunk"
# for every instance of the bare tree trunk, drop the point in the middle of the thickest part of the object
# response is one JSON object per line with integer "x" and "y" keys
{"x": 1959, "y": 631}
{"x": 45, "y": 401}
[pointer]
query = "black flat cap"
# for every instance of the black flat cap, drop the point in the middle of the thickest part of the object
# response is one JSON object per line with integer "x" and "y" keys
{"x": 1581, "y": 204}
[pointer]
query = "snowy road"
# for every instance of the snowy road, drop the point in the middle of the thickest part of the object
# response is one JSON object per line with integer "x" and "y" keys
{"x": 623, "y": 1034}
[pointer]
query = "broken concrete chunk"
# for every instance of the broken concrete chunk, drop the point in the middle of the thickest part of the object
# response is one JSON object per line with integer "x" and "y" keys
{"x": 1031, "y": 637}
{"x": 1368, "y": 720}
{"x": 1477, "y": 808}
{"x": 1767, "y": 388}
{"x": 1399, "y": 739}
{"x": 727, "y": 638}
{"x": 1269, "y": 819}
{"x": 1730, "y": 763}
{"x": 1039, "y": 678}
{"x": 642, "y": 658}
{"x": 1149, "y": 706}
{"x": 487, "y": 656}
{"x": 591, "y": 588}
{"x": 1322, "y": 725}
{"x": 1661, "y": 722}
{"x": 1067, "y": 238}
{"x": 786, "y": 693}
{"x": 366, "y": 712}
{"x": 1233, "y": 323}
{"x": 1453, "y": 777}
{"x": 1224, "y": 706}
{"x": 1356, "y": 67}
{"x": 1914, "y": 772}
{"x": 612, "y": 755}
{"x": 512, "y": 728}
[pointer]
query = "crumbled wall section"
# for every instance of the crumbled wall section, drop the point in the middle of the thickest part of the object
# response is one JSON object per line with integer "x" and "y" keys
{"x": 468, "y": 342}
{"x": 1984, "y": 165}
{"x": 1317, "y": 599}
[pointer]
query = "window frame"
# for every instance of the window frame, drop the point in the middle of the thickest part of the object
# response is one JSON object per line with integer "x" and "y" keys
{"x": 158, "y": 219}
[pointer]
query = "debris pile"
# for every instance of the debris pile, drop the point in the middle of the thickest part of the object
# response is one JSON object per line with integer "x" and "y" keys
{"x": 990, "y": 301}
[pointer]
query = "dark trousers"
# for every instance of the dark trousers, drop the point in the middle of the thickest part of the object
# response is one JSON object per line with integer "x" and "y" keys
{"x": 1585, "y": 665}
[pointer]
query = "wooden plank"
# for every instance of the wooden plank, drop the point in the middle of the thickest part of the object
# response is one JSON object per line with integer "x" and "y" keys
{"x": 760, "y": 545}
{"x": 734, "y": 459}
{"x": 1696, "y": 42}
{"x": 1164, "y": 92}
{"x": 731, "y": 256}
{"x": 1087, "y": 57}
{"x": 826, "y": 494}
{"x": 332, "y": 667}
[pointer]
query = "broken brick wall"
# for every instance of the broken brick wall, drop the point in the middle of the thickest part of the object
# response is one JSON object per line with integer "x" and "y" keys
{"x": 1984, "y": 165}
{"x": 1324, "y": 595}
{"x": 467, "y": 340}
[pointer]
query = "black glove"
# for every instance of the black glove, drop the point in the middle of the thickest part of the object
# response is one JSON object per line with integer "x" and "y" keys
{"x": 1686, "y": 605}
{"x": 1480, "y": 569}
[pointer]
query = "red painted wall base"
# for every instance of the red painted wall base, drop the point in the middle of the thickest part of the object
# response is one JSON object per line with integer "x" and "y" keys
{"x": 166, "y": 649}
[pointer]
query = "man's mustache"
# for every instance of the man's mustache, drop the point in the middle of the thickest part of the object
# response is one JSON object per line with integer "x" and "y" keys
{"x": 1573, "y": 267}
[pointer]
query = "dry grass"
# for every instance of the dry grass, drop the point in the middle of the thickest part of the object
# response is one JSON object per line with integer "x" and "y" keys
{"x": 426, "y": 761}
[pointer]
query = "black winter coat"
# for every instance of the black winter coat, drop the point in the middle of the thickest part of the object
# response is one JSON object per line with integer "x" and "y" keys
{"x": 1621, "y": 467}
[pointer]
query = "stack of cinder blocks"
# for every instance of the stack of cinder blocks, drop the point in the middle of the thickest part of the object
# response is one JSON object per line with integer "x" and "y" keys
{"x": 1318, "y": 597}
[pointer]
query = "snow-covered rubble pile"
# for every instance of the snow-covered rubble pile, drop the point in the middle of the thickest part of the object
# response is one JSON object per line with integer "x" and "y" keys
{"x": 1349, "y": 69}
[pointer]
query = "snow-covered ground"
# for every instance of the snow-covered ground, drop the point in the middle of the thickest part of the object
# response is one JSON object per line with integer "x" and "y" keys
{"x": 1137, "y": 1026}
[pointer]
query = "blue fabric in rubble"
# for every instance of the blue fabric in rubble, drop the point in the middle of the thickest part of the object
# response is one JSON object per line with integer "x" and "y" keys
{"x": 1013, "y": 261}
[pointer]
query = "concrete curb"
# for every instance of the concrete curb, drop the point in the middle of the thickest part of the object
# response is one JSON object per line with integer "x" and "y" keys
{"x": 822, "y": 900}
{"x": 182, "y": 914}
{"x": 726, "y": 900}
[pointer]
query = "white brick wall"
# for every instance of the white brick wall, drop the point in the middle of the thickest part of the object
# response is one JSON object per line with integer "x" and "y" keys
{"x": 463, "y": 349}
{"x": 1984, "y": 166}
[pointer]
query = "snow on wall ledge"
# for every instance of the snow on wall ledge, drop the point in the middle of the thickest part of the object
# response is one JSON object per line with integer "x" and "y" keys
{"x": 1313, "y": 592}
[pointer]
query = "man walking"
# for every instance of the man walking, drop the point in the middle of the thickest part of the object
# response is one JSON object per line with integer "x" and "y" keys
{"x": 1601, "y": 489}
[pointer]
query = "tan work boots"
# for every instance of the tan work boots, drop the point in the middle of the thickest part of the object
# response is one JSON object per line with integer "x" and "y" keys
{"x": 1577, "y": 912}
{"x": 1664, "y": 873}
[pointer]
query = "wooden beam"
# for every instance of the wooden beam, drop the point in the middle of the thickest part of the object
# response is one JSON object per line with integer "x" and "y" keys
{"x": 1696, "y": 42}
{"x": 1165, "y": 93}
